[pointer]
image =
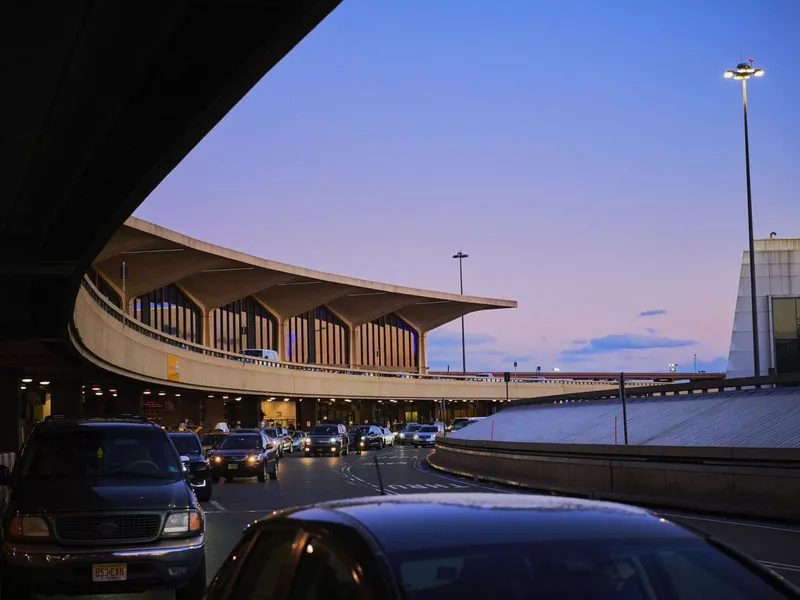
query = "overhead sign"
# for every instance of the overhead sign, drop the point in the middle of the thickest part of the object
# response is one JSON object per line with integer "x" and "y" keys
{"x": 173, "y": 368}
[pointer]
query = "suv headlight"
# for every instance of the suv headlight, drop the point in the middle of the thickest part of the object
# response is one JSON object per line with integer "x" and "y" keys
{"x": 334, "y": 440}
{"x": 183, "y": 523}
{"x": 23, "y": 526}
{"x": 363, "y": 437}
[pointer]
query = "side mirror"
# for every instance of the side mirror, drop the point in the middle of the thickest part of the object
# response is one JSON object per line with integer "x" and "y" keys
{"x": 184, "y": 461}
{"x": 5, "y": 475}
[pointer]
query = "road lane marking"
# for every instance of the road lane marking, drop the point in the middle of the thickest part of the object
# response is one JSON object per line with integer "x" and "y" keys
{"x": 217, "y": 505}
{"x": 728, "y": 522}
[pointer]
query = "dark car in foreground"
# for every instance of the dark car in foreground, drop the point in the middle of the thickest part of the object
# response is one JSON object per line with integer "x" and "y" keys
{"x": 197, "y": 465}
{"x": 244, "y": 455}
{"x": 487, "y": 546}
{"x": 364, "y": 437}
{"x": 99, "y": 505}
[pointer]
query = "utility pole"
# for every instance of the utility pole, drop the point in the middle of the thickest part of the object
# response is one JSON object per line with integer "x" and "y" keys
{"x": 461, "y": 256}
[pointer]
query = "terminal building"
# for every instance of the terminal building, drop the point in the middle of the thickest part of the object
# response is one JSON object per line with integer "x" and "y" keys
{"x": 777, "y": 266}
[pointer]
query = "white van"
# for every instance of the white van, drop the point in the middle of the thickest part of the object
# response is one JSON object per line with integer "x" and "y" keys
{"x": 261, "y": 353}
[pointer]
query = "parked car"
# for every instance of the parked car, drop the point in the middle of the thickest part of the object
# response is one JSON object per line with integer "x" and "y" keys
{"x": 194, "y": 460}
{"x": 100, "y": 505}
{"x": 388, "y": 436}
{"x": 299, "y": 440}
{"x": 282, "y": 437}
{"x": 245, "y": 455}
{"x": 212, "y": 441}
{"x": 505, "y": 546}
{"x": 459, "y": 424}
{"x": 364, "y": 437}
{"x": 328, "y": 439}
{"x": 407, "y": 435}
{"x": 426, "y": 435}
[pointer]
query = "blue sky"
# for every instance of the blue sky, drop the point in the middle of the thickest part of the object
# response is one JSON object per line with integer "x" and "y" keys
{"x": 588, "y": 156}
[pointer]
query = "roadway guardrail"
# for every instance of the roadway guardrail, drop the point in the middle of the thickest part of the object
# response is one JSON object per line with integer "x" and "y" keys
{"x": 753, "y": 482}
{"x": 668, "y": 389}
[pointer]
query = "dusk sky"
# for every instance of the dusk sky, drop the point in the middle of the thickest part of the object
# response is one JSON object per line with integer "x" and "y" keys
{"x": 587, "y": 155}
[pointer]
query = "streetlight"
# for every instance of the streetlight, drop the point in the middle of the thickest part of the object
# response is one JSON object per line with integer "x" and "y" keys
{"x": 461, "y": 256}
{"x": 743, "y": 72}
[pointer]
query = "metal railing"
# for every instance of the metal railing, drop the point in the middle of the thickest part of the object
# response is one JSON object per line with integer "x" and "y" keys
{"x": 668, "y": 389}
{"x": 186, "y": 345}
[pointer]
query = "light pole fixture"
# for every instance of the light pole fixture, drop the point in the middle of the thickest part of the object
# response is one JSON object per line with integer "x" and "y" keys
{"x": 743, "y": 72}
{"x": 461, "y": 256}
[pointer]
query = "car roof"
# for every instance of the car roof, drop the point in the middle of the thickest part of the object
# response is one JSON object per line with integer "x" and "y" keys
{"x": 181, "y": 433}
{"x": 96, "y": 421}
{"x": 446, "y": 520}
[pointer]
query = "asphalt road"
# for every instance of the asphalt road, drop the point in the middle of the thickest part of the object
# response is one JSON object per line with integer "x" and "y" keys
{"x": 403, "y": 470}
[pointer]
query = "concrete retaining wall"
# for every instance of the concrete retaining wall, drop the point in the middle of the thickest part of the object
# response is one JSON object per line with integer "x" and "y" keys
{"x": 743, "y": 481}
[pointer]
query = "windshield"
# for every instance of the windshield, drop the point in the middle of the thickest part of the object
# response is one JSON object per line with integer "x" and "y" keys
{"x": 186, "y": 444}
{"x": 662, "y": 569}
{"x": 412, "y": 427}
{"x": 428, "y": 429}
{"x": 325, "y": 430}
{"x": 297, "y": 434}
{"x": 213, "y": 439}
{"x": 360, "y": 430}
{"x": 241, "y": 442}
{"x": 85, "y": 452}
{"x": 271, "y": 432}
{"x": 399, "y": 427}
{"x": 461, "y": 425}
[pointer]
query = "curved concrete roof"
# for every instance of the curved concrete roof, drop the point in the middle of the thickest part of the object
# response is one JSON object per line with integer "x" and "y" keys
{"x": 214, "y": 276}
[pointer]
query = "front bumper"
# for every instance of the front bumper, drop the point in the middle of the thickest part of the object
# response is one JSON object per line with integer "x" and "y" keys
{"x": 50, "y": 569}
{"x": 320, "y": 448}
{"x": 424, "y": 442}
{"x": 242, "y": 469}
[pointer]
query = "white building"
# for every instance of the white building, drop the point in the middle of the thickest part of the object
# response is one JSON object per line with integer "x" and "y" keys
{"x": 778, "y": 304}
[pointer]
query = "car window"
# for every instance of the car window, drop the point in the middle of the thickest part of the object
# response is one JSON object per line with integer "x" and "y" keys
{"x": 213, "y": 439}
{"x": 412, "y": 427}
{"x": 428, "y": 429}
{"x": 322, "y": 574}
{"x": 260, "y": 575}
{"x": 581, "y": 570}
{"x": 186, "y": 444}
{"x": 82, "y": 452}
{"x": 242, "y": 442}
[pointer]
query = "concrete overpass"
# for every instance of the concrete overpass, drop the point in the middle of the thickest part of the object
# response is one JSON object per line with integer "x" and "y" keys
{"x": 101, "y": 101}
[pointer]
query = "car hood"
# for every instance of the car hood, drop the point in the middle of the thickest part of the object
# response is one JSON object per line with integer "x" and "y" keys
{"x": 85, "y": 495}
{"x": 195, "y": 458}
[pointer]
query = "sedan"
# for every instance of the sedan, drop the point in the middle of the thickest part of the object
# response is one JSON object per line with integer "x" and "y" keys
{"x": 298, "y": 440}
{"x": 509, "y": 546}
{"x": 388, "y": 436}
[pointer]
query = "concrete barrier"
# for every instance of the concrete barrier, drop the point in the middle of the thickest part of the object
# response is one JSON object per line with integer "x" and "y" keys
{"x": 754, "y": 482}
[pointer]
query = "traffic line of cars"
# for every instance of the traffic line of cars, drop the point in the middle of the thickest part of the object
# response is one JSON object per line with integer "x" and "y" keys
{"x": 104, "y": 505}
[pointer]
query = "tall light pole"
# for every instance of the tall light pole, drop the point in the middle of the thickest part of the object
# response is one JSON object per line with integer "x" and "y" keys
{"x": 461, "y": 256}
{"x": 743, "y": 72}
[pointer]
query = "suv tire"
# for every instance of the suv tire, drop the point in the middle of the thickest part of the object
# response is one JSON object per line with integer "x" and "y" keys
{"x": 262, "y": 476}
{"x": 195, "y": 589}
{"x": 273, "y": 475}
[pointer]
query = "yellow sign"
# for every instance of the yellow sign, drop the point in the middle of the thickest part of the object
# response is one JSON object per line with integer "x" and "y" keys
{"x": 173, "y": 368}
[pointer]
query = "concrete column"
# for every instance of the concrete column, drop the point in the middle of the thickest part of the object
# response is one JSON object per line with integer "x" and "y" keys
{"x": 422, "y": 352}
{"x": 207, "y": 321}
{"x": 10, "y": 407}
{"x": 307, "y": 412}
{"x": 351, "y": 358}
{"x": 214, "y": 412}
{"x": 367, "y": 412}
{"x": 281, "y": 339}
{"x": 66, "y": 398}
{"x": 247, "y": 411}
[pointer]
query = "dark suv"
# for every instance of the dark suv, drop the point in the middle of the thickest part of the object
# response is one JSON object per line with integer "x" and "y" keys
{"x": 244, "y": 455}
{"x": 365, "y": 437}
{"x": 100, "y": 505}
{"x": 194, "y": 459}
{"x": 330, "y": 439}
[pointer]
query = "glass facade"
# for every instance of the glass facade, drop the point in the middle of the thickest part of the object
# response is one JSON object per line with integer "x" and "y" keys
{"x": 169, "y": 310}
{"x": 243, "y": 324}
{"x": 317, "y": 337}
{"x": 786, "y": 329}
{"x": 387, "y": 342}
{"x": 104, "y": 288}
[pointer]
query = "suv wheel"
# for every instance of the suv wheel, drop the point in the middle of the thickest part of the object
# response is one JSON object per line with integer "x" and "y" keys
{"x": 195, "y": 589}
{"x": 273, "y": 475}
{"x": 262, "y": 476}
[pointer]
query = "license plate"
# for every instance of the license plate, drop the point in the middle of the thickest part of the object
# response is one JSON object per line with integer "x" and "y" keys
{"x": 233, "y": 467}
{"x": 116, "y": 572}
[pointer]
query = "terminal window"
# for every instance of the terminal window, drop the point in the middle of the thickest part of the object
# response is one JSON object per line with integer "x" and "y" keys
{"x": 785, "y": 327}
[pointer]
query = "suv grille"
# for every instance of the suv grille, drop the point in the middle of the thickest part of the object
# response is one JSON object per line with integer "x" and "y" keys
{"x": 98, "y": 528}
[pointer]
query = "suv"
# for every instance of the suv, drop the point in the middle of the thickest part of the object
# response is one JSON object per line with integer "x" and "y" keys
{"x": 244, "y": 455}
{"x": 364, "y": 437}
{"x": 191, "y": 451}
{"x": 330, "y": 439}
{"x": 100, "y": 505}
